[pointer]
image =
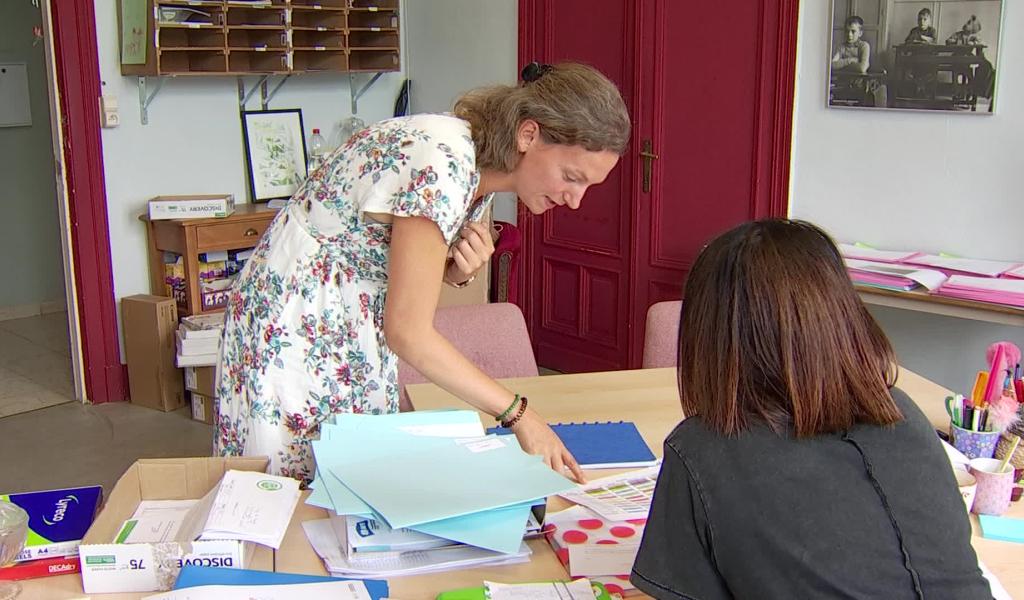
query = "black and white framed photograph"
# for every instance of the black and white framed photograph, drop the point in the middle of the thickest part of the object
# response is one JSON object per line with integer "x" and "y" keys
{"x": 915, "y": 54}
{"x": 275, "y": 152}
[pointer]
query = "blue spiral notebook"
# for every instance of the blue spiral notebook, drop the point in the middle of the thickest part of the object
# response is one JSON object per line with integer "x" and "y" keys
{"x": 611, "y": 445}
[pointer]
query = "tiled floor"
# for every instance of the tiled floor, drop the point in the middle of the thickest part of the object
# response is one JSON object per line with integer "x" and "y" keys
{"x": 35, "y": 364}
{"x": 77, "y": 444}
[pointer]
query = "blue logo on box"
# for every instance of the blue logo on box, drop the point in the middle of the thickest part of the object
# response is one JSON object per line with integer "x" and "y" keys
{"x": 61, "y": 509}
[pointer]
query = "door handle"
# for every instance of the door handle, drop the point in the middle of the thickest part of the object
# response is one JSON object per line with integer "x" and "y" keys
{"x": 648, "y": 158}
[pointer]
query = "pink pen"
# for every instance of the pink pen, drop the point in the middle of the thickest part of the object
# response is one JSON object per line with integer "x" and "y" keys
{"x": 993, "y": 388}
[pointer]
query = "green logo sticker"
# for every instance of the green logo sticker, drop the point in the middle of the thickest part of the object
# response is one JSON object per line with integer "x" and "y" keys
{"x": 100, "y": 560}
{"x": 268, "y": 485}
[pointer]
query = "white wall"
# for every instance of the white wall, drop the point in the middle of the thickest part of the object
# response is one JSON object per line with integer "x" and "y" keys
{"x": 456, "y": 45}
{"x": 31, "y": 261}
{"x": 193, "y": 142}
{"x": 915, "y": 180}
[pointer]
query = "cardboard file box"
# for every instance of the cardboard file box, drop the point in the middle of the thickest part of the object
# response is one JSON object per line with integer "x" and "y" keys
{"x": 109, "y": 568}
{"x": 191, "y": 207}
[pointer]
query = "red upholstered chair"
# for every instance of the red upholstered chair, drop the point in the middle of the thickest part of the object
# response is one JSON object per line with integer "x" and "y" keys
{"x": 661, "y": 336}
{"x": 505, "y": 263}
{"x": 492, "y": 336}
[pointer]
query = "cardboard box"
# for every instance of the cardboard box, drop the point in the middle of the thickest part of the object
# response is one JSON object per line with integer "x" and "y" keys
{"x": 149, "y": 326}
{"x": 191, "y": 207}
{"x": 202, "y": 408}
{"x": 109, "y": 568}
{"x": 201, "y": 380}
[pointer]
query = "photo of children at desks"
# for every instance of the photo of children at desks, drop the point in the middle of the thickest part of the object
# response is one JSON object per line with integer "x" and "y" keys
{"x": 900, "y": 54}
{"x": 946, "y": 76}
{"x": 852, "y": 83}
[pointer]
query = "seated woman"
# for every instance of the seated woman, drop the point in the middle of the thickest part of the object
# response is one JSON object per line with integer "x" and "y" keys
{"x": 801, "y": 471}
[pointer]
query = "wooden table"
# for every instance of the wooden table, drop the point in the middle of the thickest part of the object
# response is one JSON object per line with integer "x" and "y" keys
{"x": 646, "y": 397}
{"x": 650, "y": 399}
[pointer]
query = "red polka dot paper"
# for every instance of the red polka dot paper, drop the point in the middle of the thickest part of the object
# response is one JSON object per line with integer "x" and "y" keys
{"x": 580, "y": 527}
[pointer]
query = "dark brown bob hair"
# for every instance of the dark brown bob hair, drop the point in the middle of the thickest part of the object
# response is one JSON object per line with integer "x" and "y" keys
{"x": 772, "y": 331}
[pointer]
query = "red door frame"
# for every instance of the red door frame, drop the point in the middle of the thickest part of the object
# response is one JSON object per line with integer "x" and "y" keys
{"x": 78, "y": 84}
{"x": 773, "y": 109}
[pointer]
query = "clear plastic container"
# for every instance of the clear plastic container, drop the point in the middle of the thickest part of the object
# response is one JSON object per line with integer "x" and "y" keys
{"x": 317, "y": 149}
{"x": 13, "y": 533}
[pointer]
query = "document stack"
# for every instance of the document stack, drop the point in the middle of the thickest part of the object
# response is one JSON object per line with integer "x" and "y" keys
{"x": 983, "y": 289}
{"x": 420, "y": 492}
{"x": 892, "y": 276}
{"x": 246, "y": 505}
{"x": 198, "y": 340}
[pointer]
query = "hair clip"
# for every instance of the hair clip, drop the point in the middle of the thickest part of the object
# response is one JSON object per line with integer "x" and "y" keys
{"x": 534, "y": 71}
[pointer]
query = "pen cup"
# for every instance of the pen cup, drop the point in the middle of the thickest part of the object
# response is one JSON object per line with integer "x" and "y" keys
{"x": 994, "y": 488}
{"x": 974, "y": 444}
{"x": 968, "y": 487}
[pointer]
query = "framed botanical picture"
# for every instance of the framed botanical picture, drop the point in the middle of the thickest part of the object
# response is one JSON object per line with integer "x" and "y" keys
{"x": 915, "y": 54}
{"x": 275, "y": 152}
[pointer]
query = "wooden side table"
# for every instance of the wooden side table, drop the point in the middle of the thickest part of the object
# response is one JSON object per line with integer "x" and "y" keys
{"x": 192, "y": 237}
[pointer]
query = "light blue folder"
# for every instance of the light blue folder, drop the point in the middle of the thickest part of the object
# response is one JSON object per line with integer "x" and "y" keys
{"x": 375, "y": 447}
{"x": 499, "y": 530}
{"x": 320, "y": 496}
{"x": 1002, "y": 528}
{"x": 382, "y": 442}
{"x": 430, "y": 483}
{"x": 396, "y": 421}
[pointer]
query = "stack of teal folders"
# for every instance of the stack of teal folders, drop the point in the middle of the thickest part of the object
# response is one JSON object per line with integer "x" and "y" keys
{"x": 422, "y": 491}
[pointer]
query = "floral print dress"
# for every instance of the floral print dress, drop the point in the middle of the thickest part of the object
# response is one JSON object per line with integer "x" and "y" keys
{"x": 304, "y": 328}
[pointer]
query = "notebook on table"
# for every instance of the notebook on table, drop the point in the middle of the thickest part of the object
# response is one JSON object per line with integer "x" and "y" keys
{"x": 611, "y": 445}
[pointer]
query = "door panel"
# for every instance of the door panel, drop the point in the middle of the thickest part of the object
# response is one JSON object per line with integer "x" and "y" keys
{"x": 579, "y": 260}
{"x": 713, "y": 114}
{"x": 717, "y": 110}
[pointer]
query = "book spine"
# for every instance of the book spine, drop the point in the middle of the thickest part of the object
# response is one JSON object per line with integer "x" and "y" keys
{"x": 41, "y": 568}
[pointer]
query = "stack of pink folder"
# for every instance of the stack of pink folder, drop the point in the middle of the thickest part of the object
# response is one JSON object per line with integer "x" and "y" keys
{"x": 984, "y": 289}
{"x": 998, "y": 282}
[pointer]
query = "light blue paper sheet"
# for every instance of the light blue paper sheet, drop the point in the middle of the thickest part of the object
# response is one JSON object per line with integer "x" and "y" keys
{"x": 430, "y": 483}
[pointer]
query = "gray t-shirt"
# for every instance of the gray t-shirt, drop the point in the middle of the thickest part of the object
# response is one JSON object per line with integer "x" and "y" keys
{"x": 870, "y": 513}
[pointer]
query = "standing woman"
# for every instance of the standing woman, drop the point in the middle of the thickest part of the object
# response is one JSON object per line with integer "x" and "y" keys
{"x": 349, "y": 273}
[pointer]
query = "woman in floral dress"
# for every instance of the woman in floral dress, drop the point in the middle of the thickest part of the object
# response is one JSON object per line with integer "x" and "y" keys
{"x": 349, "y": 273}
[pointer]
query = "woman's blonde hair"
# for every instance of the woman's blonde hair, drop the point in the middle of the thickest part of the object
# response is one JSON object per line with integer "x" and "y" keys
{"x": 574, "y": 104}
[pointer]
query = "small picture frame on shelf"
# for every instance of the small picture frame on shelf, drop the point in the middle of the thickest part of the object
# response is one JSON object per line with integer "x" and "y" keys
{"x": 275, "y": 152}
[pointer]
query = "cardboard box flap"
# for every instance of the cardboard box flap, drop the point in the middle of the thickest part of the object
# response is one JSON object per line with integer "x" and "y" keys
{"x": 189, "y": 478}
{"x": 120, "y": 505}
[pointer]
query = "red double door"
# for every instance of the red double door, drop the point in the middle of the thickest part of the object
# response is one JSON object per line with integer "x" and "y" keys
{"x": 709, "y": 86}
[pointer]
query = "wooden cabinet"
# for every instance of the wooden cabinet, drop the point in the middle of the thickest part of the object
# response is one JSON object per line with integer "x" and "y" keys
{"x": 191, "y": 237}
{"x": 235, "y": 37}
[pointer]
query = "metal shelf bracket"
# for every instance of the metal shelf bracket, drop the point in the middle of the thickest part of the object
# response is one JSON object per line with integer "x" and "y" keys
{"x": 145, "y": 98}
{"x": 357, "y": 94}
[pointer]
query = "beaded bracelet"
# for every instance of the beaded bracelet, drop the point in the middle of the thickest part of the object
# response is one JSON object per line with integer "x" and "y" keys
{"x": 519, "y": 415}
{"x": 508, "y": 410}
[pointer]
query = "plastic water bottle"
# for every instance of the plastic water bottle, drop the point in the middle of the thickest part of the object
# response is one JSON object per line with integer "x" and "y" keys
{"x": 317, "y": 147}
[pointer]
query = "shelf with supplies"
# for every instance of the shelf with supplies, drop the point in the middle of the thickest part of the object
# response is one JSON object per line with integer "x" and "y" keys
{"x": 193, "y": 282}
{"x": 236, "y": 37}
